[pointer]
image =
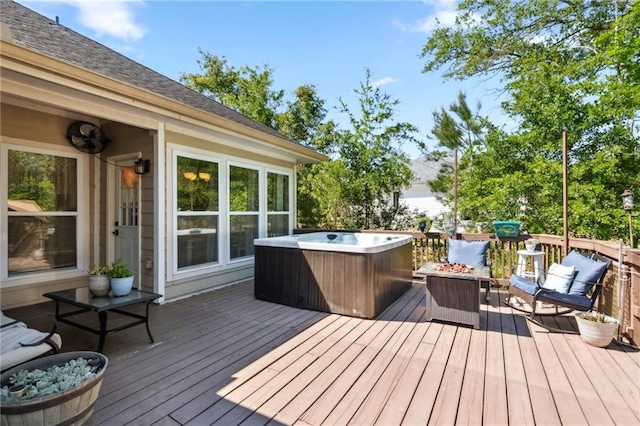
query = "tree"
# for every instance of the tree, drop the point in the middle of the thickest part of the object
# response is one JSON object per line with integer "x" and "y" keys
{"x": 353, "y": 189}
{"x": 370, "y": 151}
{"x": 565, "y": 64}
{"x": 462, "y": 132}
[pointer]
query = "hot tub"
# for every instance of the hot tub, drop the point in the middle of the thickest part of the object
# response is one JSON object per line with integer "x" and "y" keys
{"x": 355, "y": 274}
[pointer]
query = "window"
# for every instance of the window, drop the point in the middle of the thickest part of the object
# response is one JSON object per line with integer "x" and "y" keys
{"x": 42, "y": 211}
{"x": 197, "y": 197}
{"x": 277, "y": 204}
{"x": 244, "y": 210}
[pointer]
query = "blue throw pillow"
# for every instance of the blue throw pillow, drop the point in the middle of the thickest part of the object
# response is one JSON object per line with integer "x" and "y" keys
{"x": 470, "y": 253}
{"x": 588, "y": 271}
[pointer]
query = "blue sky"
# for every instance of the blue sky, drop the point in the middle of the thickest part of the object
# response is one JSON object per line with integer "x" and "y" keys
{"x": 326, "y": 43}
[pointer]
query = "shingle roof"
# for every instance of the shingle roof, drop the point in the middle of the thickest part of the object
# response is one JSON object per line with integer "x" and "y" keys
{"x": 38, "y": 33}
{"x": 426, "y": 168}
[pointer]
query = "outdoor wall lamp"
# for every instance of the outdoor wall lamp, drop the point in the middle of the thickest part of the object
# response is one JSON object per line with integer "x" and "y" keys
{"x": 627, "y": 205}
{"x": 142, "y": 166}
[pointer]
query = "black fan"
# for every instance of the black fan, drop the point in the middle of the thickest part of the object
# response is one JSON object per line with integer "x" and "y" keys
{"x": 87, "y": 137}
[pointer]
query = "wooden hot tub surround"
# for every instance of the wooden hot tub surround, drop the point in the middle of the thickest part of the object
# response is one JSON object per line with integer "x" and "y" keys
{"x": 355, "y": 284}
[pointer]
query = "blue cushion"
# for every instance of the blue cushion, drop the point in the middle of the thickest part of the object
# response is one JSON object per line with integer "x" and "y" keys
{"x": 566, "y": 299}
{"x": 467, "y": 252}
{"x": 588, "y": 271}
{"x": 524, "y": 284}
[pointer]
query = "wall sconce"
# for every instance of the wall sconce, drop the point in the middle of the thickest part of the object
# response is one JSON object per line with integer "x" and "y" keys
{"x": 204, "y": 176}
{"x": 142, "y": 166}
{"x": 190, "y": 176}
{"x": 627, "y": 205}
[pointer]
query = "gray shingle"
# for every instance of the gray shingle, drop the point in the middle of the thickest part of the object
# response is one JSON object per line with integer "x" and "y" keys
{"x": 38, "y": 33}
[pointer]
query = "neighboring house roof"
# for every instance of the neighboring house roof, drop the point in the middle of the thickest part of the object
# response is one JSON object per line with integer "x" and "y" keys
{"x": 38, "y": 33}
{"x": 425, "y": 168}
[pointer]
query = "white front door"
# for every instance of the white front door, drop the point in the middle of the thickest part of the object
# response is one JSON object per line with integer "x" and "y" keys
{"x": 127, "y": 201}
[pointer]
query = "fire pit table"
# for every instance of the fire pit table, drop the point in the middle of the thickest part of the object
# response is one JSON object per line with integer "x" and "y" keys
{"x": 454, "y": 296}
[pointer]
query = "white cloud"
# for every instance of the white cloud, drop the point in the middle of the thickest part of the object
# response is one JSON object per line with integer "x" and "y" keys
{"x": 383, "y": 81}
{"x": 114, "y": 18}
{"x": 444, "y": 14}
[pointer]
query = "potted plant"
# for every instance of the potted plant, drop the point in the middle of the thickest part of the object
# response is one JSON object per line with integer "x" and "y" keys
{"x": 120, "y": 277}
{"x": 423, "y": 223}
{"x": 56, "y": 389}
{"x": 99, "y": 281}
{"x": 531, "y": 244}
{"x": 596, "y": 329}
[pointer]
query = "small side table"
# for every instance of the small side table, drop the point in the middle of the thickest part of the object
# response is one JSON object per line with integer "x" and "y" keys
{"x": 537, "y": 273}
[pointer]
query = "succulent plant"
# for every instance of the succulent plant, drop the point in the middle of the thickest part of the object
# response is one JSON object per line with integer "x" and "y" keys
{"x": 40, "y": 383}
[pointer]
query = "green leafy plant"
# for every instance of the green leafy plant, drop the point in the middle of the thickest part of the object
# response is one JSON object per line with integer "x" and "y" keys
{"x": 119, "y": 269}
{"x": 40, "y": 383}
{"x": 427, "y": 222}
{"x": 97, "y": 270}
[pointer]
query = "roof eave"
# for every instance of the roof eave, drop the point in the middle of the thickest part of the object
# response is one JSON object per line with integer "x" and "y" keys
{"x": 11, "y": 52}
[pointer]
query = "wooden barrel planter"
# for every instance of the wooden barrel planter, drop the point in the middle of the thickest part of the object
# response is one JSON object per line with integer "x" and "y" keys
{"x": 71, "y": 407}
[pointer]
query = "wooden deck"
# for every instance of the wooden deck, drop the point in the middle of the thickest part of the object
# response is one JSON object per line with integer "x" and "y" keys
{"x": 225, "y": 358}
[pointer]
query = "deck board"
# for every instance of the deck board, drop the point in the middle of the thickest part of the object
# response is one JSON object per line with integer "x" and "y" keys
{"x": 224, "y": 357}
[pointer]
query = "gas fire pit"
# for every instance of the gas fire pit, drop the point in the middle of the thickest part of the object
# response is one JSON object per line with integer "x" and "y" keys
{"x": 456, "y": 268}
{"x": 453, "y": 292}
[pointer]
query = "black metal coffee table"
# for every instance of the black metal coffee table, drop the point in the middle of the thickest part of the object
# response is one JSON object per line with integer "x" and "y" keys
{"x": 82, "y": 298}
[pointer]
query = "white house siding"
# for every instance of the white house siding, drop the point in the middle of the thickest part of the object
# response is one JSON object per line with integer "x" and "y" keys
{"x": 424, "y": 200}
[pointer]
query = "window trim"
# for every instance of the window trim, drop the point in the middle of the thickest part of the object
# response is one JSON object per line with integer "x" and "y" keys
{"x": 225, "y": 264}
{"x": 82, "y": 213}
{"x": 292, "y": 211}
{"x": 172, "y": 166}
{"x": 259, "y": 212}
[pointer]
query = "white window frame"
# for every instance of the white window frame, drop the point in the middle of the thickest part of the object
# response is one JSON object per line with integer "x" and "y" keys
{"x": 291, "y": 212}
{"x": 82, "y": 219}
{"x": 261, "y": 205}
{"x": 195, "y": 270}
{"x": 224, "y": 263}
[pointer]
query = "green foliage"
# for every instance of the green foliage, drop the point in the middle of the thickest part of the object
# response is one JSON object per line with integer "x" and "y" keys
{"x": 570, "y": 65}
{"x": 58, "y": 378}
{"x": 371, "y": 153}
{"x": 98, "y": 270}
{"x": 247, "y": 90}
{"x": 119, "y": 269}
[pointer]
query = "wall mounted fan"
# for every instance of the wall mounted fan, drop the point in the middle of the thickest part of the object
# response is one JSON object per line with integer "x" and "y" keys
{"x": 87, "y": 137}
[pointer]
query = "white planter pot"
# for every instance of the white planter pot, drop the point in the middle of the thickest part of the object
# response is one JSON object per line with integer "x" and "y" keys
{"x": 598, "y": 334}
{"x": 121, "y": 286}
